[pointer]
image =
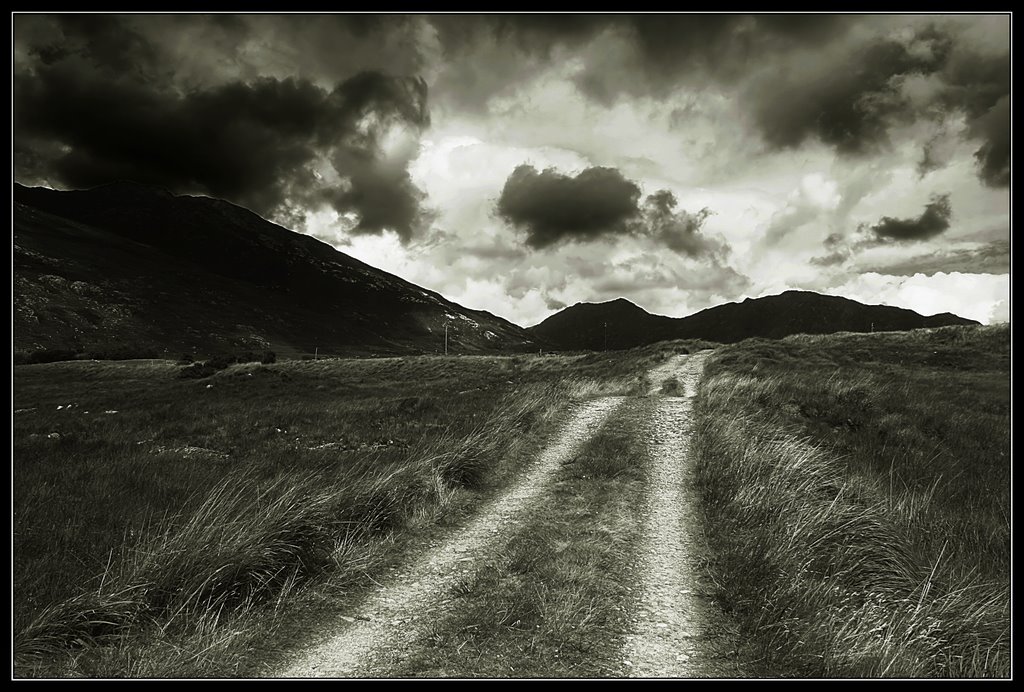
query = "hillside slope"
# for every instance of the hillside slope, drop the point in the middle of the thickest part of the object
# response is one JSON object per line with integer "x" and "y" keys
{"x": 127, "y": 265}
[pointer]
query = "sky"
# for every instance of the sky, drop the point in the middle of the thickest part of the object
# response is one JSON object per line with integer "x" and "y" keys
{"x": 521, "y": 163}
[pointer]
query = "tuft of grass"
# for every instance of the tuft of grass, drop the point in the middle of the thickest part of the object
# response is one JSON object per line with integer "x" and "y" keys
{"x": 672, "y": 387}
{"x": 856, "y": 491}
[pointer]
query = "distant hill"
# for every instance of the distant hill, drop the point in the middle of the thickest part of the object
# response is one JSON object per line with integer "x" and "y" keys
{"x": 135, "y": 267}
{"x": 621, "y": 324}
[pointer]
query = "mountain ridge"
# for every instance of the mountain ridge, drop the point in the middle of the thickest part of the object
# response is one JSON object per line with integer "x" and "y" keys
{"x": 139, "y": 267}
{"x": 597, "y": 326}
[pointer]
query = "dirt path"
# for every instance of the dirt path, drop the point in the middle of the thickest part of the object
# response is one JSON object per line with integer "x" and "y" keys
{"x": 372, "y": 638}
{"x": 677, "y": 629}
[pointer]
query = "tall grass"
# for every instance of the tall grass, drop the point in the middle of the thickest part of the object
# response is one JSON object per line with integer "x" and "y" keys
{"x": 858, "y": 507}
{"x": 151, "y": 540}
{"x": 252, "y": 540}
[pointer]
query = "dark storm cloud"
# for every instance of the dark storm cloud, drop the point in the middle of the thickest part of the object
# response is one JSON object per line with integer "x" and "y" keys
{"x": 800, "y": 77}
{"x": 99, "y": 110}
{"x": 848, "y": 104}
{"x": 932, "y": 221}
{"x": 851, "y": 100}
{"x": 551, "y": 206}
{"x": 487, "y": 55}
{"x": 975, "y": 82}
{"x": 993, "y": 128}
{"x": 977, "y": 85}
{"x": 598, "y": 202}
{"x": 720, "y": 44}
{"x": 105, "y": 40}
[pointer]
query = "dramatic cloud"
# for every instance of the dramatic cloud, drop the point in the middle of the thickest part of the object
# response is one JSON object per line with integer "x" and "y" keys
{"x": 852, "y": 99}
{"x": 932, "y": 221}
{"x": 678, "y": 231}
{"x": 655, "y": 53}
{"x": 800, "y": 77}
{"x": 849, "y": 103}
{"x": 994, "y": 155}
{"x": 277, "y": 146}
{"x": 103, "y": 39}
{"x": 552, "y": 206}
{"x": 597, "y": 203}
{"x": 979, "y": 85}
{"x": 792, "y": 128}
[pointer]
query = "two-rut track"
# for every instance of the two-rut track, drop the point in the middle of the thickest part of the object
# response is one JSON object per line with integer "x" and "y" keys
{"x": 676, "y": 631}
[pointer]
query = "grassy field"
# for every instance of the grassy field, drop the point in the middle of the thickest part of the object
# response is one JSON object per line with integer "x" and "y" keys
{"x": 857, "y": 494}
{"x": 154, "y": 516}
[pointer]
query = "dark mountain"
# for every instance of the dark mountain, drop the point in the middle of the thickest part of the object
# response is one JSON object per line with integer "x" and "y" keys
{"x": 621, "y": 324}
{"x": 599, "y": 326}
{"x": 131, "y": 266}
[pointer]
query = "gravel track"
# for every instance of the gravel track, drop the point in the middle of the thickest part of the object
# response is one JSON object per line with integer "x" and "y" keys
{"x": 678, "y": 631}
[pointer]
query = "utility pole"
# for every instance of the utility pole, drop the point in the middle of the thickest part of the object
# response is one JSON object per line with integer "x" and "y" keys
{"x": 606, "y": 336}
{"x": 446, "y": 339}
{"x": 316, "y": 353}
